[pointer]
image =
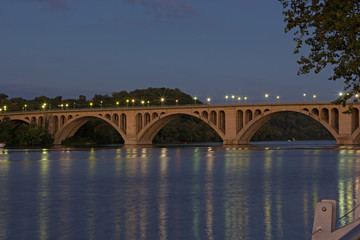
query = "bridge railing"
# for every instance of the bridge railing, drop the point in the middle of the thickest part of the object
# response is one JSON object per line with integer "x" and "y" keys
{"x": 179, "y": 106}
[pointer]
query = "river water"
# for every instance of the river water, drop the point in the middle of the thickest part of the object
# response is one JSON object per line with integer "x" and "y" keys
{"x": 261, "y": 191}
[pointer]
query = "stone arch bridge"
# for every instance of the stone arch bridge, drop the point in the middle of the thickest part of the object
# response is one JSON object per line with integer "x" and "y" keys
{"x": 235, "y": 124}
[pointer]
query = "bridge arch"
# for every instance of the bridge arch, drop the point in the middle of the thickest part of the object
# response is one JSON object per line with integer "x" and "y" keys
{"x": 149, "y": 131}
{"x": 18, "y": 121}
{"x": 245, "y": 134}
{"x": 71, "y": 126}
{"x": 355, "y": 127}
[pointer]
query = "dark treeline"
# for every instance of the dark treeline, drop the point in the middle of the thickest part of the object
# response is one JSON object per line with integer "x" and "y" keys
{"x": 21, "y": 134}
{"x": 289, "y": 125}
{"x": 150, "y": 96}
{"x": 284, "y": 126}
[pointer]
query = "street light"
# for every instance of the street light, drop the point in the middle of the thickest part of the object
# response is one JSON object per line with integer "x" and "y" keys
{"x": 245, "y": 98}
{"x": 266, "y": 97}
{"x": 142, "y": 102}
{"x": 177, "y": 101}
{"x": 117, "y": 104}
{"x": 304, "y": 95}
{"x": 208, "y": 100}
{"x": 67, "y": 105}
{"x": 5, "y": 108}
{"x": 127, "y": 102}
{"x": 91, "y": 104}
{"x": 277, "y": 98}
{"x": 239, "y": 99}
{"x": 195, "y": 98}
{"x": 314, "y": 97}
{"x": 226, "y": 98}
{"x": 25, "y": 106}
{"x": 133, "y": 102}
{"x": 232, "y": 98}
{"x": 101, "y": 102}
{"x": 162, "y": 101}
{"x": 148, "y": 103}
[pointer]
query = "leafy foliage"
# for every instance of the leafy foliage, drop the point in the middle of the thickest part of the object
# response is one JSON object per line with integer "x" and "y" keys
{"x": 186, "y": 129}
{"x": 24, "y": 134}
{"x": 150, "y": 96}
{"x": 291, "y": 125}
{"x": 331, "y": 28}
{"x": 95, "y": 131}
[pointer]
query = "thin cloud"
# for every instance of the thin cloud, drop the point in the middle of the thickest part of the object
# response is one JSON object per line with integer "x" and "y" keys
{"x": 165, "y": 8}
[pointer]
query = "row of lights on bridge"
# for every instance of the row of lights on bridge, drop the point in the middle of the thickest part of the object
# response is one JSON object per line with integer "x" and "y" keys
{"x": 4, "y": 108}
{"x": 162, "y": 100}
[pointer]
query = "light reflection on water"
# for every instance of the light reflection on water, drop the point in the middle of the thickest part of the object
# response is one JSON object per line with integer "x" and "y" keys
{"x": 266, "y": 191}
{"x": 4, "y": 182}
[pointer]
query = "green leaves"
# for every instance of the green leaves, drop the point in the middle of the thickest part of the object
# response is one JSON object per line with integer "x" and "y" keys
{"x": 23, "y": 134}
{"x": 331, "y": 28}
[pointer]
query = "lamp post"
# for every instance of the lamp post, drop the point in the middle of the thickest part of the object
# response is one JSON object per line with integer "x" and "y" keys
{"x": 117, "y": 104}
{"x": 25, "y": 106}
{"x": 5, "y": 108}
{"x": 239, "y": 99}
{"x": 67, "y": 105}
{"x": 91, "y": 105}
{"x": 74, "y": 104}
{"x": 101, "y": 102}
{"x": 133, "y": 102}
{"x": 162, "y": 101}
{"x": 314, "y": 97}
{"x": 177, "y": 102}
{"x": 148, "y": 103}
{"x": 142, "y": 102}
{"x": 278, "y": 98}
{"x": 245, "y": 98}
{"x": 208, "y": 100}
{"x": 127, "y": 102}
{"x": 304, "y": 95}
{"x": 195, "y": 98}
{"x": 226, "y": 98}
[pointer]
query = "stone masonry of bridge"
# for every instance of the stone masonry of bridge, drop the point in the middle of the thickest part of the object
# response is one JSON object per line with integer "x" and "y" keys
{"x": 235, "y": 123}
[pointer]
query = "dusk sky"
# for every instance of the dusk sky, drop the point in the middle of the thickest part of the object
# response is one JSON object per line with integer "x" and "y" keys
{"x": 205, "y": 48}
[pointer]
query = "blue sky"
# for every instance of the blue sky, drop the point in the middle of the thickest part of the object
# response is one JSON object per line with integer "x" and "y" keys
{"x": 205, "y": 48}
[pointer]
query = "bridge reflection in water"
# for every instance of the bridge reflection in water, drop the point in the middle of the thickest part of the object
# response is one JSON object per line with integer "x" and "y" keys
{"x": 235, "y": 124}
{"x": 172, "y": 193}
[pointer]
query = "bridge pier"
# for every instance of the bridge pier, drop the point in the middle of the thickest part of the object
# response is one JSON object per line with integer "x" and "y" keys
{"x": 230, "y": 141}
{"x": 345, "y": 140}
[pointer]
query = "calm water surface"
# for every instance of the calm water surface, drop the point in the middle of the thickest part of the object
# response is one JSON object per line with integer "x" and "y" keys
{"x": 265, "y": 191}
